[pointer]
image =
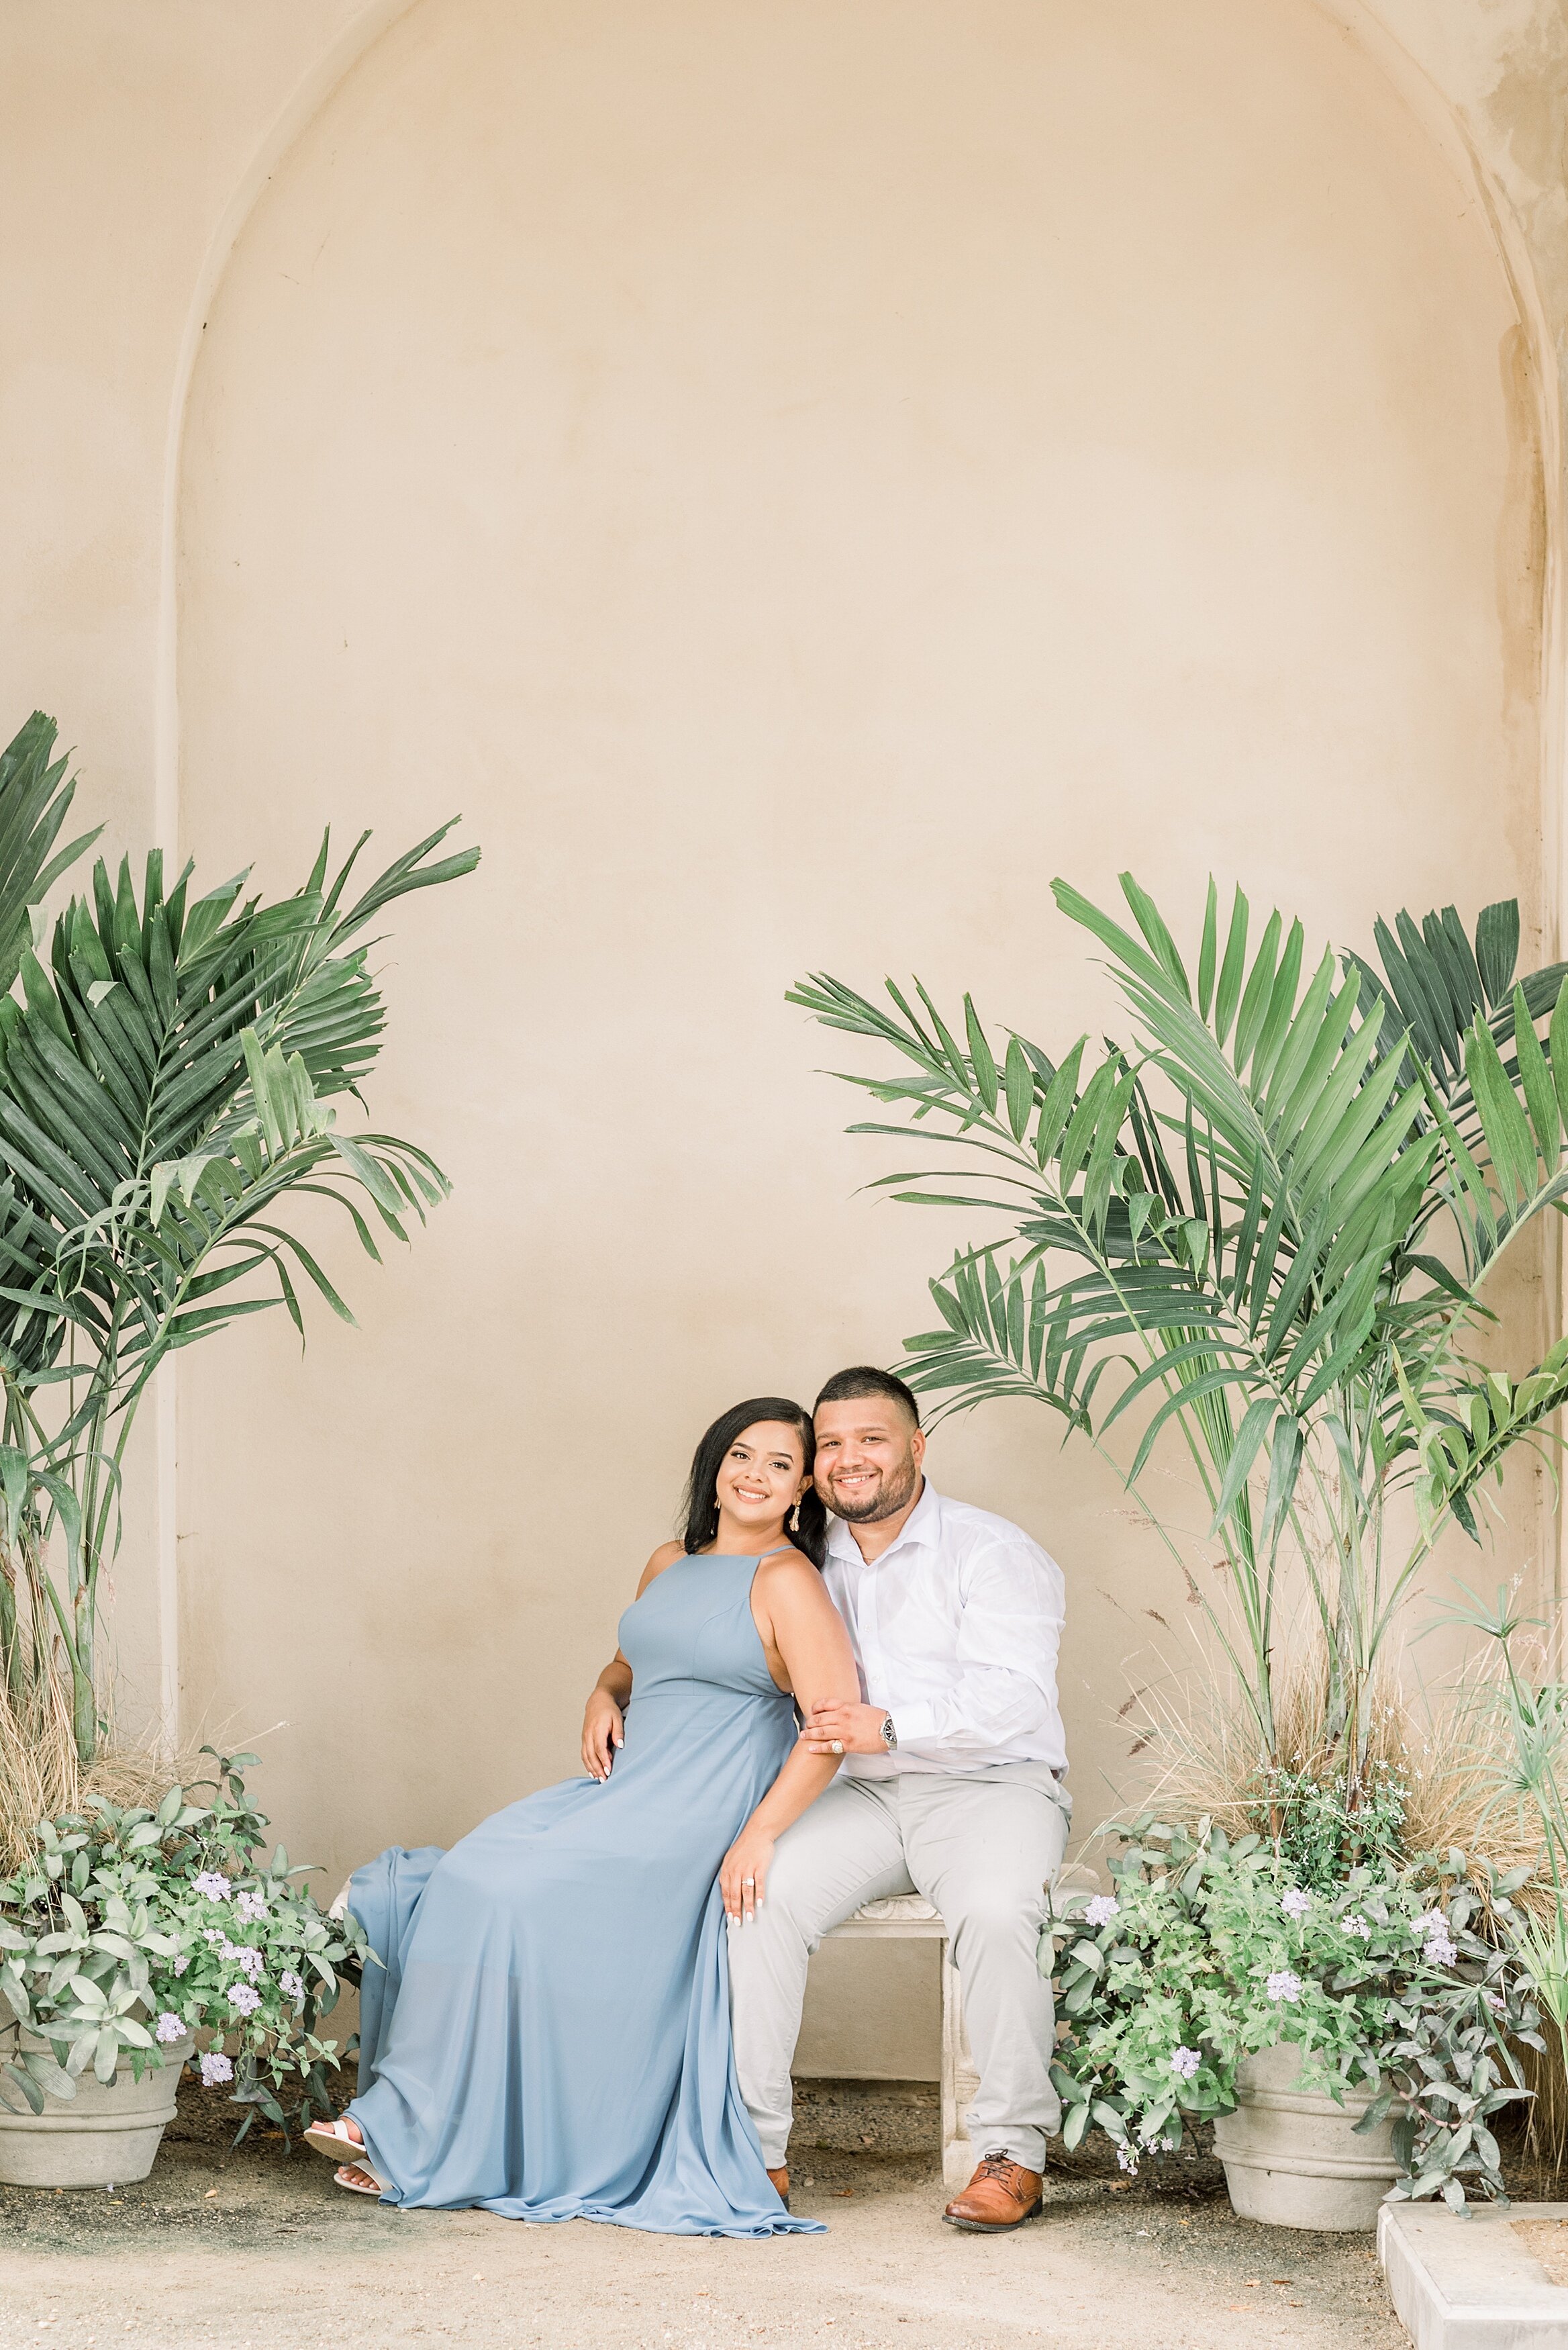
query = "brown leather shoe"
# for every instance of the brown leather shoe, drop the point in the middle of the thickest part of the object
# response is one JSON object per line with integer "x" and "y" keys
{"x": 1000, "y": 2195}
{"x": 779, "y": 2181}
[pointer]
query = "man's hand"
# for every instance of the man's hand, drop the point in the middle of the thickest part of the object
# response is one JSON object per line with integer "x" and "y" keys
{"x": 857, "y": 1727}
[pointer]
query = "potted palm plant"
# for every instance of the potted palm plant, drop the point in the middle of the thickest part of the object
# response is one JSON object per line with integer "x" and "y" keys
{"x": 1258, "y": 1228}
{"x": 173, "y": 1070}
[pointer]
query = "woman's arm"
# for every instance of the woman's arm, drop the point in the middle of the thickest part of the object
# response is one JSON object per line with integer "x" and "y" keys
{"x": 808, "y": 1633}
{"x": 603, "y": 1727}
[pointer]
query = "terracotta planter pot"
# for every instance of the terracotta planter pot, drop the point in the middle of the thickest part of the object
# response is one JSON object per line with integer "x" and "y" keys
{"x": 99, "y": 2137}
{"x": 1291, "y": 2155}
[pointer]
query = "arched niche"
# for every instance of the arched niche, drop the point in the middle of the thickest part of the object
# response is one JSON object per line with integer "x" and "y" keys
{"x": 796, "y": 479}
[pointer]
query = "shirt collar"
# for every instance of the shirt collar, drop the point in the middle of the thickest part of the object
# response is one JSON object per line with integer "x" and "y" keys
{"x": 921, "y": 1525}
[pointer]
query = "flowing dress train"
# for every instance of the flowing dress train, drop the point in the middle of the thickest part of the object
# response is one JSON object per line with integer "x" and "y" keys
{"x": 549, "y": 2037}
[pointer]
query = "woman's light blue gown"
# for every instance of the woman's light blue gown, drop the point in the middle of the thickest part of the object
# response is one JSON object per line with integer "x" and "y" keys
{"x": 550, "y": 2038}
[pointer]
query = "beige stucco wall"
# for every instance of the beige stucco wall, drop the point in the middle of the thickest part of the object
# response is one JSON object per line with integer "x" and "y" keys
{"x": 796, "y": 478}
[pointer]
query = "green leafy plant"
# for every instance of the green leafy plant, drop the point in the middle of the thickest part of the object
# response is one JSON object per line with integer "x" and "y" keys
{"x": 1319, "y": 1838}
{"x": 36, "y": 796}
{"x": 1208, "y": 1951}
{"x": 1258, "y": 1226}
{"x": 131, "y": 1930}
{"x": 1533, "y": 1780}
{"x": 171, "y": 1076}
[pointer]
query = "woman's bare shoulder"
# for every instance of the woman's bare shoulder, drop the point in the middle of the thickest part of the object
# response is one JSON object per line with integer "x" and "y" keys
{"x": 665, "y": 1555}
{"x": 791, "y": 1570}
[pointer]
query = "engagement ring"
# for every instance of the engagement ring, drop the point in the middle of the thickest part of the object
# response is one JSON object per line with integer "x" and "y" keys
{"x": 838, "y": 1745}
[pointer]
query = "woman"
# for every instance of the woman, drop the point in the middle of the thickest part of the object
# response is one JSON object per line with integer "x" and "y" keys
{"x": 550, "y": 2036}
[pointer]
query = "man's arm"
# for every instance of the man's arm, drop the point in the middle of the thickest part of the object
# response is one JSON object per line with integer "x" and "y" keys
{"x": 998, "y": 1688}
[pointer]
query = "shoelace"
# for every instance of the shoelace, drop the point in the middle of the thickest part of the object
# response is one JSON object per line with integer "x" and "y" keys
{"x": 998, "y": 2167}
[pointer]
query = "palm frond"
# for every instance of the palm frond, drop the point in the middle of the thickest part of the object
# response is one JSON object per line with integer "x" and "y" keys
{"x": 1216, "y": 1227}
{"x": 167, "y": 1081}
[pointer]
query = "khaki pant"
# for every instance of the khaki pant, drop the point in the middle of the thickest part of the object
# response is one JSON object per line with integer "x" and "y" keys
{"x": 982, "y": 1848}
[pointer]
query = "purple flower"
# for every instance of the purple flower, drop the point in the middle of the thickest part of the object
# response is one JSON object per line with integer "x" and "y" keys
{"x": 1355, "y": 1925}
{"x": 244, "y": 1956}
{"x": 210, "y": 1934}
{"x": 169, "y": 2027}
{"x": 1294, "y": 1902}
{"x": 1185, "y": 2063}
{"x": 1283, "y": 1985}
{"x": 1126, "y": 2157}
{"x": 1102, "y": 1909}
{"x": 288, "y": 1983}
{"x": 251, "y": 1907}
{"x": 214, "y": 2069}
{"x": 181, "y": 1963}
{"x": 213, "y": 1884}
{"x": 244, "y": 1999}
{"x": 1496, "y": 2001}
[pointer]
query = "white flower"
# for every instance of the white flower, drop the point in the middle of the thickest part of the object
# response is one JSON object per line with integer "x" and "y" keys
{"x": 1358, "y": 1926}
{"x": 244, "y": 1999}
{"x": 1441, "y": 1950}
{"x": 1283, "y": 1985}
{"x": 1102, "y": 1909}
{"x": 288, "y": 1983}
{"x": 213, "y": 1884}
{"x": 1294, "y": 1902}
{"x": 169, "y": 2027}
{"x": 215, "y": 2068}
{"x": 251, "y": 1907}
{"x": 1185, "y": 2063}
{"x": 1126, "y": 2157}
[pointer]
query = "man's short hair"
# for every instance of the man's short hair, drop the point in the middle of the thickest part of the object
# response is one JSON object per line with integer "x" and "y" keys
{"x": 866, "y": 1379}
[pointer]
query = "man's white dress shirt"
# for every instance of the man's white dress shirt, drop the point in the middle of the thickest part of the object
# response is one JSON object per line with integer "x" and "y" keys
{"x": 955, "y": 1631}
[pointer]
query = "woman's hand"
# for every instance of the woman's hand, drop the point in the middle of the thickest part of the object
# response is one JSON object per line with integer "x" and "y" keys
{"x": 603, "y": 1731}
{"x": 745, "y": 1874}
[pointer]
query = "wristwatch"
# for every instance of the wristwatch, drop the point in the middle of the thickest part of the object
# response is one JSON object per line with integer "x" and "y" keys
{"x": 889, "y": 1735}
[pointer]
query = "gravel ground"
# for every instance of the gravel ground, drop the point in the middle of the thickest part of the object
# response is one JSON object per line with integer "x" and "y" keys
{"x": 256, "y": 2249}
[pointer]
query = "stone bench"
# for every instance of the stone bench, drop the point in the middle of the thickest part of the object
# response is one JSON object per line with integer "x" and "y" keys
{"x": 910, "y": 1915}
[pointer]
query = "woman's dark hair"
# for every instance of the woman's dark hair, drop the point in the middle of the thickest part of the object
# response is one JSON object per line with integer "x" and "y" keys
{"x": 700, "y": 1503}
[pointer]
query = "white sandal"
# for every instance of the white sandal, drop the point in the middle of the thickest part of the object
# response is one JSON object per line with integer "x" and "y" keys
{"x": 333, "y": 2140}
{"x": 352, "y": 2186}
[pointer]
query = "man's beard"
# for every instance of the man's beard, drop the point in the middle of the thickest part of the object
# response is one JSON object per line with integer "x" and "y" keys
{"x": 892, "y": 1497}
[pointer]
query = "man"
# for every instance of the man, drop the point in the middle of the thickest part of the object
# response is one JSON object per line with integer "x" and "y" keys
{"x": 950, "y": 1786}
